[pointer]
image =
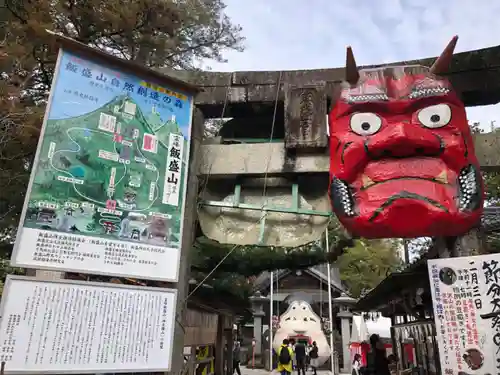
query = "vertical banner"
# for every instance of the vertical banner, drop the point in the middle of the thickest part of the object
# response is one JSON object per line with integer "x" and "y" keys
{"x": 466, "y": 299}
{"x": 107, "y": 189}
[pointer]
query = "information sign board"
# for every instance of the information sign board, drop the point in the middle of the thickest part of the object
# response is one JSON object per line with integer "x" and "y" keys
{"x": 107, "y": 190}
{"x": 66, "y": 326}
{"x": 465, "y": 294}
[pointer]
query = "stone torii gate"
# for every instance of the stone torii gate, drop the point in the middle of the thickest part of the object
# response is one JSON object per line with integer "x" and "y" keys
{"x": 272, "y": 154}
{"x": 264, "y": 179}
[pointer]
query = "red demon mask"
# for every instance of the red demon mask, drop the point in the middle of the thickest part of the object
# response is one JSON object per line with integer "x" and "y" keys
{"x": 402, "y": 155}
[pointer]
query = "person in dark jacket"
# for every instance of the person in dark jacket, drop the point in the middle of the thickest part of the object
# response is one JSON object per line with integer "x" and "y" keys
{"x": 285, "y": 359}
{"x": 378, "y": 363}
{"x": 300, "y": 357}
{"x": 236, "y": 358}
{"x": 313, "y": 354}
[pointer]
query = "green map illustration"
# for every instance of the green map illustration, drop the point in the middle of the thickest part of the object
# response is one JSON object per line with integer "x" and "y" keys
{"x": 94, "y": 176}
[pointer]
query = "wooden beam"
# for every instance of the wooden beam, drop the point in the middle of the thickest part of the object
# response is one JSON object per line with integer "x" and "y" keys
{"x": 252, "y": 159}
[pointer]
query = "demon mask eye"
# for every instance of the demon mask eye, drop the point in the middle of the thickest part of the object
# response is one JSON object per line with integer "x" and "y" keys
{"x": 435, "y": 116}
{"x": 365, "y": 123}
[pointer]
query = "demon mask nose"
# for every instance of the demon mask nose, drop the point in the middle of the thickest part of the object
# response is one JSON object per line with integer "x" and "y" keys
{"x": 404, "y": 140}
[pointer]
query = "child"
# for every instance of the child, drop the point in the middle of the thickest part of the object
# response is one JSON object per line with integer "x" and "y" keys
{"x": 356, "y": 364}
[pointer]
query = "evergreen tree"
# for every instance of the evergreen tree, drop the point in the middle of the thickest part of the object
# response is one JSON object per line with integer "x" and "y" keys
{"x": 363, "y": 266}
{"x": 155, "y": 33}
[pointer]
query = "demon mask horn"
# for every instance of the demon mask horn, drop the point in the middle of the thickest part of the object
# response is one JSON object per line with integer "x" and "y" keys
{"x": 351, "y": 69}
{"x": 443, "y": 62}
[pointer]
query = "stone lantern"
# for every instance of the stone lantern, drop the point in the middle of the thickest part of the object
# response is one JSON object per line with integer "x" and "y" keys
{"x": 345, "y": 303}
{"x": 257, "y": 301}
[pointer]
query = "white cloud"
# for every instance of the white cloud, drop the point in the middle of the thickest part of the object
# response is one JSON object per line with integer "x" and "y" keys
{"x": 312, "y": 34}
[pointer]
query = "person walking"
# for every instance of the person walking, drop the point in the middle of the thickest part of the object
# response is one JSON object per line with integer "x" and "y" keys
{"x": 308, "y": 359}
{"x": 300, "y": 358}
{"x": 377, "y": 358}
{"x": 313, "y": 354}
{"x": 294, "y": 360}
{"x": 236, "y": 358}
{"x": 285, "y": 355}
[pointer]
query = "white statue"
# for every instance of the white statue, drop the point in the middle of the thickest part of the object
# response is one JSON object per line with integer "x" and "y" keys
{"x": 300, "y": 322}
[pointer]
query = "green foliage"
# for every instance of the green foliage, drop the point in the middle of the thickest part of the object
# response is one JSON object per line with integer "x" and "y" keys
{"x": 252, "y": 260}
{"x": 418, "y": 246}
{"x": 236, "y": 266}
{"x": 492, "y": 184}
{"x": 5, "y": 268}
{"x": 240, "y": 287}
{"x": 155, "y": 33}
{"x": 366, "y": 264}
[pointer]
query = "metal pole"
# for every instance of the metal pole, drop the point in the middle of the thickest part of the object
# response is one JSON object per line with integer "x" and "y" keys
{"x": 271, "y": 313}
{"x": 330, "y": 311}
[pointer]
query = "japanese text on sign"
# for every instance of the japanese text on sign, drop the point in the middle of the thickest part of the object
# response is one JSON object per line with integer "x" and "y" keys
{"x": 173, "y": 172}
{"x": 465, "y": 296}
{"x": 110, "y": 172}
{"x": 490, "y": 271}
{"x": 69, "y": 326}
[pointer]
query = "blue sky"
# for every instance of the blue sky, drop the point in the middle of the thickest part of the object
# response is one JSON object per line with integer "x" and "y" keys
{"x": 70, "y": 84}
{"x": 313, "y": 34}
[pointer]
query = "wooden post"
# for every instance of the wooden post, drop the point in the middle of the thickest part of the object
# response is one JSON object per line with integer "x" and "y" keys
{"x": 191, "y": 365}
{"x": 230, "y": 343}
{"x": 219, "y": 345}
{"x": 187, "y": 242}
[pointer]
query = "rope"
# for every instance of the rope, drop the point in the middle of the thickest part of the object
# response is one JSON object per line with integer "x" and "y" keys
{"x": 264, "y": 190}
{"x": 265, "y": 181}
{"x": 249, "y": 228}
{"x": 278, "y": 88}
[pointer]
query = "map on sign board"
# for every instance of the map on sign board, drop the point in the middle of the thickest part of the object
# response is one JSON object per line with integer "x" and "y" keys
{"x": 466, "y": 299}
{"x": 69, "y": 326}
{"x": 110, "y": 169}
